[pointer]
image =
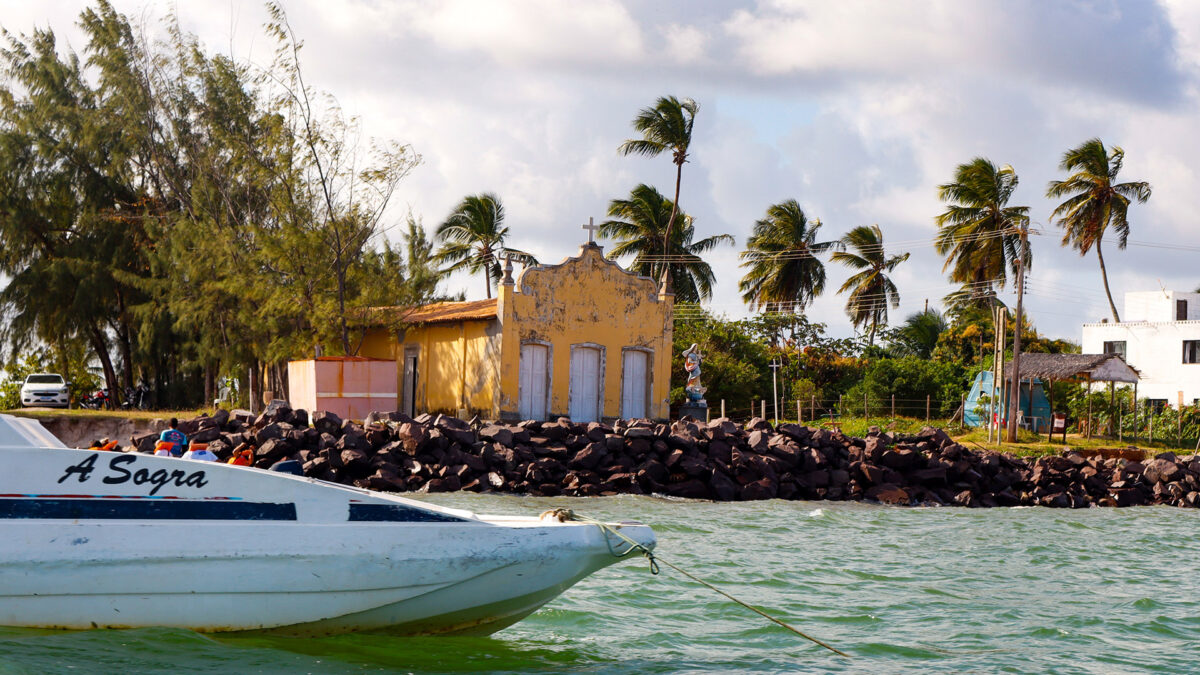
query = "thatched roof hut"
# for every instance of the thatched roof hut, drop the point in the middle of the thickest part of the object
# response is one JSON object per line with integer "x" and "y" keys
{"x": 1075, "y": 367}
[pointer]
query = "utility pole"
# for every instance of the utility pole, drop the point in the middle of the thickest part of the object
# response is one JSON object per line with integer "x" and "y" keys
{"x": 1014, "y": 389}
{"x": 1000, "y": 321}
{"x": 776, "y": 364}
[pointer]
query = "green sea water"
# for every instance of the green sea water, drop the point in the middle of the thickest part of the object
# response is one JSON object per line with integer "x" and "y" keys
{"x": 902, "y": 590}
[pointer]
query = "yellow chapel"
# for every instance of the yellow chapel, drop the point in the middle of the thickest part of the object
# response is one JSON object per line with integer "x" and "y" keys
{"x": 584, "y": 339}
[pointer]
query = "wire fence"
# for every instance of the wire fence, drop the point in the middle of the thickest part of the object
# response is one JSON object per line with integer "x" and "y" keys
{"x": 814, "y": 409}
{"x": 1123, "y": 423}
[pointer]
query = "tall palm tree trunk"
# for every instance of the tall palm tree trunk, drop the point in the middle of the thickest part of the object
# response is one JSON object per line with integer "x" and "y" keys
{"x": 668, "y": 282}
{"x": 1104, "y": 276}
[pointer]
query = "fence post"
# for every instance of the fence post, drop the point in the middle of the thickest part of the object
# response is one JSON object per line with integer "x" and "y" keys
{"x": 1137, "y": 424}
{"x": 927, "y": 400}
{"x": 866, "y": 410}
{"x": 722, "y": 407}
{"x": 798, "y": 416}
{"x": 764, "y": 409}
{"x": 1151, "y": 416}
{"x": 962, "y": 409}
{"x": 1121, "y": 421}
{"x": 812, "y": 410}
{"x": 893, "y": 406}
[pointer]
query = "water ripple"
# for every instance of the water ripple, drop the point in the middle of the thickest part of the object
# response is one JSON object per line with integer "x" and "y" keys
{"x": 903, "y": 590}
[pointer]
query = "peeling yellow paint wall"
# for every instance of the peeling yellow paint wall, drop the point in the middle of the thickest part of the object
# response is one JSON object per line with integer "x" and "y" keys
{"x": 585, "y": 300}
{"x": 458, "y": 363}
{"x": 379, "y": 343}
{"x": 475, "y": 364}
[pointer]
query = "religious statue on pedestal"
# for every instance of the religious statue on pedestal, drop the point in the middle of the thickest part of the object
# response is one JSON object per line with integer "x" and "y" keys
{"x": 691, "y": 364}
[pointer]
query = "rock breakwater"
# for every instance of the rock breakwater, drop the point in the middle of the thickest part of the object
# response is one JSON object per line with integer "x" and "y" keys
{"x": 720, "y": 460}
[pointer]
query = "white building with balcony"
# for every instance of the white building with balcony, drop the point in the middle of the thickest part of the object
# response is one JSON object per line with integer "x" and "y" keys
{"x": 1159, "y": 335}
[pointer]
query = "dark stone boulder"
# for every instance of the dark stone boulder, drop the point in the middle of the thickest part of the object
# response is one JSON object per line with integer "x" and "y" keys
{"x": 757, "y": 441}
{"x": 589, "y": 457}
{"x": 326, "y": 422}
{"x": 271, "y": 451}
{"x": 272, "y": 430}
{"x": 144, "y": 443}
{"x": 724, "y": 489}
{"x": 690, "y": 489}
{"x": 764, "y": 488}
{"x": 889, "y": 494}
{"x": 1162, "y": 471}
{"x": 498, "y": 434}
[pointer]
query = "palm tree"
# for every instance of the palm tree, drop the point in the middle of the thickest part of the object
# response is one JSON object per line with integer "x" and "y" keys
{"x": 979, "y": 234}
{"x": 666, "y": 126}
{"x": 969, "y": 297}
{"x": 639, "y": 225}
{"x": 871, "y": 291}
{"x": 473, "y": 237}
{"x": 781, "y": 256}
{"x": 1094, "y": 202}
{"x": 919, "y": 333}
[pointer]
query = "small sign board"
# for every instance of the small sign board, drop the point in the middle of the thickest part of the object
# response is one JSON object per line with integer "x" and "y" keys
{"x": 1060, "y": 422}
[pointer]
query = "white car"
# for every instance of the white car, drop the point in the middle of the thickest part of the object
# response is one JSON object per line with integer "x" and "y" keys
{"x": 45, "y": 390}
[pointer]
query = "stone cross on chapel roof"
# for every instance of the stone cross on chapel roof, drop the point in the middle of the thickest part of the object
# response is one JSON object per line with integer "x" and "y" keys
{"x": 592, "y": 228}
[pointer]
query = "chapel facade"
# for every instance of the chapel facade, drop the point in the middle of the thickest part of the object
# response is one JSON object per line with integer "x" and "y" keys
{"x": 584, "y": 339}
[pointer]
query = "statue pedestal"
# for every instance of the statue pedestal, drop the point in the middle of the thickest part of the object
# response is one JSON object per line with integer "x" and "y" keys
{"x": 697, "y": 412}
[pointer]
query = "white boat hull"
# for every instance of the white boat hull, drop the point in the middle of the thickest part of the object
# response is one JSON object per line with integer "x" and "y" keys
{"x": 254, "y": 550}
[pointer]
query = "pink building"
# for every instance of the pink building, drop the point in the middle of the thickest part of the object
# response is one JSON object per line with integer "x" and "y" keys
{"x": 349, "y": 386}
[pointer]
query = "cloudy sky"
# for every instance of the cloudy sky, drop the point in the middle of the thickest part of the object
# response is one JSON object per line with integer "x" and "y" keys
{"x": 856, "y": 109}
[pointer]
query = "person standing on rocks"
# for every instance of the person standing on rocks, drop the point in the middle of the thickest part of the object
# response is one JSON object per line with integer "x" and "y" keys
{"x": 174, "y": 436}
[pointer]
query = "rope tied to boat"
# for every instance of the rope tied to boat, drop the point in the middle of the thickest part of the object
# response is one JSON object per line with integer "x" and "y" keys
{"x": 563, "y": 515}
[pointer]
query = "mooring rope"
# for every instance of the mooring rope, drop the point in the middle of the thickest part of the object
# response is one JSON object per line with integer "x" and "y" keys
{"x": 563, "y": 515}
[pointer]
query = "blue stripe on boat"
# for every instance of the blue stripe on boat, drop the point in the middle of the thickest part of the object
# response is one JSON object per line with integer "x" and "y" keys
{"x": 140, "y": 509}
{"x": 399, "y": 513}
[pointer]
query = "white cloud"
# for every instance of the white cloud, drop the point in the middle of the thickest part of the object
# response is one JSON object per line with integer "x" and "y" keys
{"x": 527, "y": 31}
{"x": 857, "y": 109}
{"x": 685, "y": 44}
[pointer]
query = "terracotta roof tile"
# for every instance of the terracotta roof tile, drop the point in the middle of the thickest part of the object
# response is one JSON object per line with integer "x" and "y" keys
{"x": 443, "y": 312}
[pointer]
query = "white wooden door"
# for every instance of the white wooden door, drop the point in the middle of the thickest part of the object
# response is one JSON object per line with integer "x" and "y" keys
{"x": 584, "y": 405}
{"x": 634, "y": 384}
{"x": 532, "y": 382}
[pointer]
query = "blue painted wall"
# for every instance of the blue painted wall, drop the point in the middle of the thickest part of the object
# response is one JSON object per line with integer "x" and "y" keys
{"x": 1038, "y": 414}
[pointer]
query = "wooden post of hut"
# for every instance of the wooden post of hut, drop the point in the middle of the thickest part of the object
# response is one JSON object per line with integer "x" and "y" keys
{"x": 1120, "y": 426}
{"x": 1050, "y": 402}
{"x": 1136, "y": 423}
{"x": 1089, "y": 400}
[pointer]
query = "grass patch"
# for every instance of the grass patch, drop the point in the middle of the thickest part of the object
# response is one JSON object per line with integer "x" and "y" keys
{"x": 1031, "y": 445}
{"x": 859, "y": 426}
{"x": 85, "y": 413}
{"x": 1028, "y": 444}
